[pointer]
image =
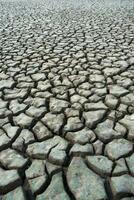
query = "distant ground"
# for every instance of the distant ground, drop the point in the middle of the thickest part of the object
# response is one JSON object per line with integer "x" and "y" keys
{"x": 67, "y": 100}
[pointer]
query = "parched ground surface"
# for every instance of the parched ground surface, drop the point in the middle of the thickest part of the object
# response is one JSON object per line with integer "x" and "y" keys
{"x": 67, "y": 100}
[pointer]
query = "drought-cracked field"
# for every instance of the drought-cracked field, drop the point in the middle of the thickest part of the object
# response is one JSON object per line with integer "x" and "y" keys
{"x": 66, "y": 99}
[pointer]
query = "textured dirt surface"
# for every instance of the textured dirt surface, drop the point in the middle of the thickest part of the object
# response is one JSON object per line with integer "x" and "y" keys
{"x": 67, "y": 100}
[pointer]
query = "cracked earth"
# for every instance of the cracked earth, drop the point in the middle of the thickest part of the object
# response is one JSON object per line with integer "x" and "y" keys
{"x": 67, "y": 100}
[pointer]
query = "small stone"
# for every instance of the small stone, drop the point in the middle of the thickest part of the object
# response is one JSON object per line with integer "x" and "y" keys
{"x": 70, "y": 112}
{"x": 23, "y": 120}
{"x": 44, "y": 85}
{"x": 35, "y": 112}
{"x": 4, "y": 140}
{"x": 77, "y": 106}
{"x": 111, "y": 101}
{"x": 122, "y": 108}
{"x": 3, "y": 104}
{"x": 37, "y": 102}
{"x": 51, "y": 168}
{"x": 57, "y": 156}
{"x": 93, "y": 117}
{"x": 9, "y": 180}
{"x": 53, "y": 121}
{"x": 83, "y": 136}
{"x": 78, "y": 176}
{"x": 118, "y": 148}
{"x": 106, "y": 132}
{"x": 4, "y": 112}
{"x": 100, "y": 91}
{"x": 85, "y": 86}
{"x": 41, "y": 150}
{"x": 122, "y": 63}
{"x": 57, "y": 105}
{"x": 84, "y": 93}
{"x": 73, "y": 124}
{"x": 15, "y": 93}
{"x": 36, "y": 169}
{"x": 24, "y": 138}
{"x": 6, "y": 84}
{"x": 94, "y": 98}
{"x": 77, "y": 79}
{"x": 128, "y": 122}
{"x": 77, "y": 99}
{"x": 110, "y": 71}
{"x": 16, "y": 107}
{"x": 37, "y": 183}
{"x": 128, "y": 99}
{"x": 131, "y": 60}
{"x": 3, "y": 121}
{"x": 14, "y": 195}
{"x": 117, "y": 90}
{"x": 78, "y": 149}
{"x": 41, "y": 131}
{"x": 95, "y": 106}
{"x": 38, "y": 77}
{"x": 120, "y": 167}
{"x": 98, "y": 147}
{"x": 100, "y": 164}
{"x": 11, "y": 159}
{"x": 130, "y": 163}
{"x": 120, "y": 128}
{"x": 97, "y": 78}
{"x": 55, "y": 190}
{"x": 11, "y": 131}
{"x": 36, "y": 175}
{"x": 122, "y": 185}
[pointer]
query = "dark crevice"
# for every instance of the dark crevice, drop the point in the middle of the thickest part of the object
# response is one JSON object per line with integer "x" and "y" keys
{"x": 44, "y": 186}
{"x": 108, "y": 189}
{"x": 66, "y": 187}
